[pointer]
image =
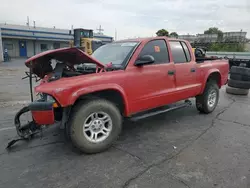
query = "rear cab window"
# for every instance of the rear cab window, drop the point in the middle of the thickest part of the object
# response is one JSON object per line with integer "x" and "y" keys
{"x": 187, "y": 52}
{"x": 180, "y": 52}
{"x": 158, "y": 49}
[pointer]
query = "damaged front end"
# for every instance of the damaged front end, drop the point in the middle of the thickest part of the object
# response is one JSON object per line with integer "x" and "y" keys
{"x": 46, "y": 110}
{"x": 43, "y": 111}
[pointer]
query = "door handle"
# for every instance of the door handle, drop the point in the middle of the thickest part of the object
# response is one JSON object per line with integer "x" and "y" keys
{"x": 192, "y": 70}
{"x": 171, "y": 72}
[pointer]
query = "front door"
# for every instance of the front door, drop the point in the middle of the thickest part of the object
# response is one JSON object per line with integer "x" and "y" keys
{"x": 185, "y": 70}
{"x": 154, "y": 82}
{"x": 22, "y": 49}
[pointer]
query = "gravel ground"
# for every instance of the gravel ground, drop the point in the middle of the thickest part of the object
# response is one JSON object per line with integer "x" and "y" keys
{"x": 176, "y": 149}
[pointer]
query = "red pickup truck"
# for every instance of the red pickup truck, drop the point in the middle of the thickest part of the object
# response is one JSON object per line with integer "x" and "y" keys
{"x": 135, "y": 78}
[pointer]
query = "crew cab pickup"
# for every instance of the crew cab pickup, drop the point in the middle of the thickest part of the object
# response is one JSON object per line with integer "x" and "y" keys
{"x": 135, "y": 78}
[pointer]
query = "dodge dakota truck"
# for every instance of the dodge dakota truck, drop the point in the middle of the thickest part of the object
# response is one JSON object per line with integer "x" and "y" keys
{"x": 136, "y": 78}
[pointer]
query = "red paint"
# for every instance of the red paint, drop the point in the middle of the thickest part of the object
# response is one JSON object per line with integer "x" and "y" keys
{"x": 65, "y": 54}
{"x": 141, "y": 88}
{"x": 43, "y": 117}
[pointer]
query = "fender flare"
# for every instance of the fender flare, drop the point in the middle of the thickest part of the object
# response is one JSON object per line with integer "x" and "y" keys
{"x": 211, "y": 71}
{"x": 91, "y": 89}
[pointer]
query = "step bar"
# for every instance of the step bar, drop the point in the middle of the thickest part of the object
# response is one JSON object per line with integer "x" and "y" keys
{"x": 165, "y": 109}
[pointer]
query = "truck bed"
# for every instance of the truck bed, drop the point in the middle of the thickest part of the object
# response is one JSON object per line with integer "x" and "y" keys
{"x": 216, "y": 64}
{"x": 204, "y": 59}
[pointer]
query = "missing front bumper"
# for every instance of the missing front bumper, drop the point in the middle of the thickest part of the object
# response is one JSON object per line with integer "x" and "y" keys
{"x": 42, "y": 114}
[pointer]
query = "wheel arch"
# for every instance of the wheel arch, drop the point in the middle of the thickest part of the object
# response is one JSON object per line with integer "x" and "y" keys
{"x": 113, "y": 94}
{"x": 212, "y": 75}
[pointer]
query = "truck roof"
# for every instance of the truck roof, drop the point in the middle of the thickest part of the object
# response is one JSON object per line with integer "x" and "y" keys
{"x": 148, "y": 38}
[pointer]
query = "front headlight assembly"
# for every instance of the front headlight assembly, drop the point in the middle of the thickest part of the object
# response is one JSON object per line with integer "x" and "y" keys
{"x": 43, "y": 97}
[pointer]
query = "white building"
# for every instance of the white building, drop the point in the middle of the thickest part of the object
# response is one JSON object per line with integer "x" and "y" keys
{"x": 26, "y": 41}
{"x": 235, "y": 36}
{"x": 212, "y": 38}
{"x": 190, "y": 38}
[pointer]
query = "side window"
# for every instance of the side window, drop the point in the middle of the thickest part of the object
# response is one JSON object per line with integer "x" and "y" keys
{"x": 186, "y": 50}
{"x": 177, "y": 52}
{"x": 158, "y": 49}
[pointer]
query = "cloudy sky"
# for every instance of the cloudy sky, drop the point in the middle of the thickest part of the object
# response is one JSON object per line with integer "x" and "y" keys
{"x": 131, "y": 18}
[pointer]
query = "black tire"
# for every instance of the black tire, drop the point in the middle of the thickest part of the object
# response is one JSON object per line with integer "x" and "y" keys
{"x": 239, "y": 84}
{"x": 234, "y": 76}
{"x": 240, "y": 70}
{"x": 236, "y": 91}
{"x": 80, "y": 114}
{"x": 202, "y": 100}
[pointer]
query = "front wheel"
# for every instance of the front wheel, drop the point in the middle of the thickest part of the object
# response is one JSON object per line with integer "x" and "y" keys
{"x": 95, "y": 125}
{"x": 207, "y": 102}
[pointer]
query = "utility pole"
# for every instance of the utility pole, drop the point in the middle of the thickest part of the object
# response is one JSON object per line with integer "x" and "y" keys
{"x": 28, "y": 21}
{"x": 34, "y": 22}
{"x": 115, "y": 34}
{"x": 100, "y": 30}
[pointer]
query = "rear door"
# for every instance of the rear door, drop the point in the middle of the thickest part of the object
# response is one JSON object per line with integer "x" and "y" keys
{"x": 185, "y": 70}
{"x": 153, "y": 83}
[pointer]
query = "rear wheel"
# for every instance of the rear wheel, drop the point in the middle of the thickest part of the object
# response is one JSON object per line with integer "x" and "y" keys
{"x": 207, "y": 102}
{"x": 95, "y": 125}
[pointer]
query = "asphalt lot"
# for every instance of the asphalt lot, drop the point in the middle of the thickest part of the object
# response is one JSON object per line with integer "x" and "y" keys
{"x": 181, "y": 149}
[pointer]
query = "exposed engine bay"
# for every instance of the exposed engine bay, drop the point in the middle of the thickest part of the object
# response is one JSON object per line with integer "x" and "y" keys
{"x": 62, "y": 69}
{"x": 57, "y": 69}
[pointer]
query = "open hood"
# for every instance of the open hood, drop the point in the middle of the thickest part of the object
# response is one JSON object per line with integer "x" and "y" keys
{"x": 70, "y": 55}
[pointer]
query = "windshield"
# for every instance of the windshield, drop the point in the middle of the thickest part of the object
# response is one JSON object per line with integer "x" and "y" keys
{"x": 115, "y": 53}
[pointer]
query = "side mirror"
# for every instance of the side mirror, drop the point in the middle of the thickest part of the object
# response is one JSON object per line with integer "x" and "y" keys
{"x": 144, "y": 60}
